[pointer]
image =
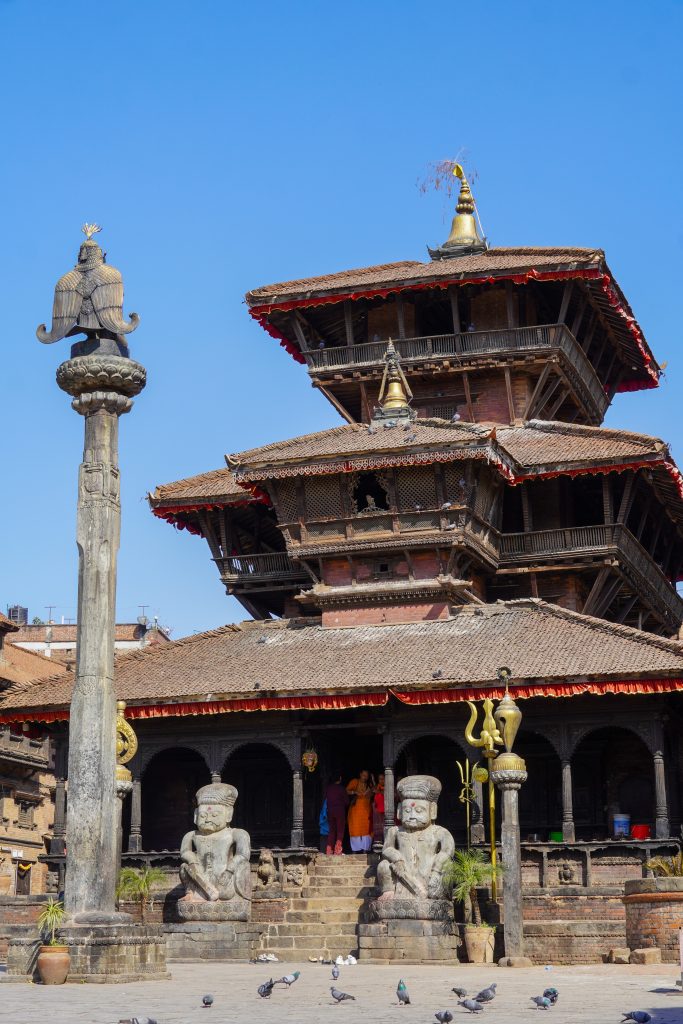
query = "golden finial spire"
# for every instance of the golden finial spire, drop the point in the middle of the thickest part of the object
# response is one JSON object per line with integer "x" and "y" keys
{"x": 464, "y": 236}
{"x": 395, "y": 390}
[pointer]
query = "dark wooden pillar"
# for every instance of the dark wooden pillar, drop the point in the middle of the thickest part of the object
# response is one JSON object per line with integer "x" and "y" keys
{"x": 135, "y": 837}
{"x": 58, "y": 841}
{"x": 662, "y": 829}
{"x": 568, "y": 830}
{"x": 297, "y": 837}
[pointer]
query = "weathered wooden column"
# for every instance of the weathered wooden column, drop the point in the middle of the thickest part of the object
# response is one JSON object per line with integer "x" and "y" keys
{"x": 568, "y": 830}
{"x": 389, "y": 797}
{"x": 135, "y": 835}
{"x": 58, "y": 840}
{"x": 297, "y": 837}
{"x": 662, "y": 829}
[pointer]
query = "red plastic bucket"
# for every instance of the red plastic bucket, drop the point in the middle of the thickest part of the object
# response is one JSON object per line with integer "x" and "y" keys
{"x": 640, "y": 831}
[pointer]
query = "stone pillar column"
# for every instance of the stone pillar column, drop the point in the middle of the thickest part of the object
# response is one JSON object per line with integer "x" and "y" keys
{"x": 297, "y": 838}
{"x": 389, "y": 797}
{"x": 662, "y": 830}
{"x": 91, "y": 832}
{"x": 508, "y": 772}
{"x": 568, "y": 831}
{"x": 135, "y": 837}
{"x": 57, "y": 843}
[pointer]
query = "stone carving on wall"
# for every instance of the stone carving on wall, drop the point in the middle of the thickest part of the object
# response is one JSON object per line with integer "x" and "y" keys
{"x": 215, "y": 861}
{"x": 295, "y": 874}
{"x": 566, "y": 874}
{"x": 415, "y": 853}
{"x": 266, "y": 872}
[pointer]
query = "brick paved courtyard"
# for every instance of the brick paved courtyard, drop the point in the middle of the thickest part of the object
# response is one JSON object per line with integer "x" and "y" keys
{"x": 592, "y": 995}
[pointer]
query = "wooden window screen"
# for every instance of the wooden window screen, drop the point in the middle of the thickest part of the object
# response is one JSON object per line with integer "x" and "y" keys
{"x": 415, "y": 486}
{"x": 286, "y": 501}
{"x": 323, "y": 498}
{"x": 455, "y": 483}
{"x": 25, "y": 814}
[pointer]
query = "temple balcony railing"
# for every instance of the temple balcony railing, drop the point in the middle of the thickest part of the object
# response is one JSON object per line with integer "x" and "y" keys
{"x": 470, "y": 347}
{"x": 393, "y": 528}
{"x": 25, "y": 750}
{"x": 263, "y": 571}
{"x": 604, "y": 541}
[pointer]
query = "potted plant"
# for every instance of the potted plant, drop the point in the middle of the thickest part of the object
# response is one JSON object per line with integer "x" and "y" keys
{"x": 468, "y": 871}
{"x": 137, "y": 885}
{"x": 53, "y": 958}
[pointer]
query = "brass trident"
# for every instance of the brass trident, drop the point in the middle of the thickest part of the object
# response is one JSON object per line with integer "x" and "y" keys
{"x": 489, "y": 739}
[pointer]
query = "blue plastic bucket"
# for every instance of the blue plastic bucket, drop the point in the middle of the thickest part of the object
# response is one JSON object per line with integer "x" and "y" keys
{"x": 622, "y": 824}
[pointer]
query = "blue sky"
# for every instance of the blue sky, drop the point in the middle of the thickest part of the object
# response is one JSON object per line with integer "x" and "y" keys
{"x": 224, "y": 146}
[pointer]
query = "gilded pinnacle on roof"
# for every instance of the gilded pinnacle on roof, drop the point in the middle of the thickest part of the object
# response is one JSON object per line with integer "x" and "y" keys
{"x": 464, "y": 237}
{"x": 395, "y": 393}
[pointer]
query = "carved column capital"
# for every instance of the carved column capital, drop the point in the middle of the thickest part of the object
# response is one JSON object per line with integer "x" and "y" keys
{"x": 94, "y": 401}
{"x": 101, "y": 373}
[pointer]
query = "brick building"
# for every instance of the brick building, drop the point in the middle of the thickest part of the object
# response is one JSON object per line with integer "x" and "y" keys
{"x": 469, "y": 512}
{"x": 58, "y": 639}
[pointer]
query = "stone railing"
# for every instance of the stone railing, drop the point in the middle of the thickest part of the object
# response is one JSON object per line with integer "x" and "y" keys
{"x": 597, "y": 866}
{"x": 546, "y": 339}
{"x": 614, "y": 540}
{"x": 24, "y": 750}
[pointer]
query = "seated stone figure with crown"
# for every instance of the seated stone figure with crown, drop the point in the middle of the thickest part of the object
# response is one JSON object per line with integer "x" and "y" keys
{"x": 215, "y": 861}
{"x": 415, "y": 853}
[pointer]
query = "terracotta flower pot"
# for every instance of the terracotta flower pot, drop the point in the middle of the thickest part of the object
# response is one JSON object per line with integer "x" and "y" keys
{"x": 479, "y": 939}
{"x": 53, "y": 964}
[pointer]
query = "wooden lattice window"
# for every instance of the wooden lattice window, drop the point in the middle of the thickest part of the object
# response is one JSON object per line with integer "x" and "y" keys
{"x": 416, "y": 488}
{"x": 369, "y": 492}
{"x": 25, "y": 811}
{"x": 455, "y": 482}
{"x": 323, "y": 498}
{"x": 286, "y": 501}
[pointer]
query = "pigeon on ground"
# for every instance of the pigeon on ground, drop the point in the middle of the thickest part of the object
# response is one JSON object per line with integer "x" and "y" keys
{"x": 472, "y": 1005}
{"x": 639, "y": 1016}
{"x": 487, "y": 994}
{"x": 138, "y": 1020}
{"x": 207, "y": 1001}
{"x": 338, "y": 996}
{"x": 542, "y": 1002}
{"x": 266, "y": 990}
{"x": 335, "y": 973}
{"x": 288, "y": 979}
{"x": 444, "y": 1016}
{"x": 402, "y": 993}
{"x": 461, "y": 993}
{"x": 552, "y": 994}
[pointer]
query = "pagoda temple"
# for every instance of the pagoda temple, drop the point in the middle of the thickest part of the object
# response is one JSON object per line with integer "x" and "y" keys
{"x": 468, "y": 512}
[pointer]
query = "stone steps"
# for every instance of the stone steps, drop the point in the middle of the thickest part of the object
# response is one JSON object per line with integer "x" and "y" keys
{"x": 321, "y": 917}
{"x": 287, "y": 928}
{"x": 324, "y": 892}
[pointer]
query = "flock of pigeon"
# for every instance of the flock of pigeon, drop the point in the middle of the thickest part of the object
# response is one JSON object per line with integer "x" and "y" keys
{"x": 474, "y": 1004}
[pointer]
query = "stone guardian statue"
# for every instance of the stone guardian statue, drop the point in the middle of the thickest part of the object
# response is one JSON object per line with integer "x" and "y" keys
{"x": 215, "y": 861}
{"x": 415, "y": 852}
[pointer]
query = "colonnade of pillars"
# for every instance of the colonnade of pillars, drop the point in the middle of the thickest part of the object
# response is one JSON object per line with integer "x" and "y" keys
{"x": 662, "y": 830}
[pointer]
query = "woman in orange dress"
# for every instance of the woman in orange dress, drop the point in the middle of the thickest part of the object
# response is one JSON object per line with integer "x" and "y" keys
{"x": 361, "y": 791}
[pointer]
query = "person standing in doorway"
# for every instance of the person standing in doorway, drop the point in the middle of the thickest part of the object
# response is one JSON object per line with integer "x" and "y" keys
{"x": 378, "y": 812}
{"x": 337, "y": 801}
{"x": 361, "y": 792}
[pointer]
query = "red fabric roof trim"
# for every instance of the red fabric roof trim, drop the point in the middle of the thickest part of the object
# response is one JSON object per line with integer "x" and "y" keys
{"x": 261, "y": 313}
{"x": 336, "y": 702}
{"x": 604, "y": 468}
{"x": 630, "y": 686}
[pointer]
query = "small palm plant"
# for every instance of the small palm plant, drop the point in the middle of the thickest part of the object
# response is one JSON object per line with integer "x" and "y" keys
{"x": 51, "y": 917}
{"x": 667, "y": 867}
{"x": 469, "y": 870}
{"x": 138, "y": 885}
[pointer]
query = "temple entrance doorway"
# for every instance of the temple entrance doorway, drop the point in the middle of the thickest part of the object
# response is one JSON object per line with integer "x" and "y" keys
{"x": 169, "y": 784}
{"x": 437, "y": 756}
{"x": 345, "y": 751}
{"x": 540, "y": 798}
{"x": 263, "y": 778}
{"x": 613, "y": 773}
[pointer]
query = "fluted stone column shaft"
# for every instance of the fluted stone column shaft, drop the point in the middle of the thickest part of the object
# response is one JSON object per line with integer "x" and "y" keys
{"x": 662, "y": 829}
{"x": 135, "y": 835}
{"x": 568, "y": 830}
{"x": 91, "y": 831}
{"x": 509, "y": 782}
{"x": 297, "y": 838}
